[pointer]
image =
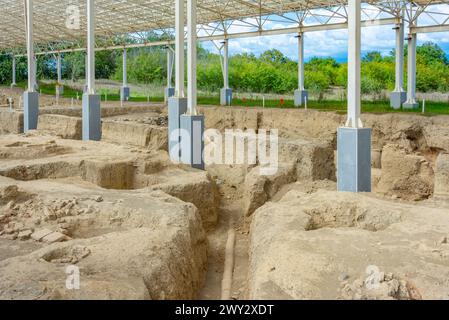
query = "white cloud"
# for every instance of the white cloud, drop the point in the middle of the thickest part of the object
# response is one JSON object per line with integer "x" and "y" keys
{"x": 326, "y": 43}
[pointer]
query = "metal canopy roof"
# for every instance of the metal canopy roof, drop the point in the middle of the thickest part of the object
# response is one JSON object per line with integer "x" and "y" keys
{"x": 118, "y": 17}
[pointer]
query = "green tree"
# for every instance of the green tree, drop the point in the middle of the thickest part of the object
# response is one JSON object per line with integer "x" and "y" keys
{"x": 274, "y": 56}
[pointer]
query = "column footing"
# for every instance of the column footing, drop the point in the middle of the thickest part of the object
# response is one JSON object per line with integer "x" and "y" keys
{"x": 192, "y": 143}
{"x": 125, "y": 93}
{"x": 91, "y": 117}
{"x": 30, "y": 110}
{"x": 397, "y": 98}
{"x": 354, "y": 159}
{"x": 410, "y": 105}
{"x": 226, "y": 97}
{"x": 59, "y": 90}
{"x": 300, "y": 97}
{"x": 176, "y": 108}
{"x": 168, "y": 93}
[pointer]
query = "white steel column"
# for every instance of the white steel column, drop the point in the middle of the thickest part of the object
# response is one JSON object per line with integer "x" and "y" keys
{"x": 354, "y": 141}
{"x": 226, "y": 64}
{"x": 354, "y": 50}
{"x": 90, "y": 47}
{"x": 411, "y": 73}
{"x": 86, "y": 70}
{"x": 13, "y": 71}
{"x": 191, "y": 57}
{"x": 58, "y": 67}
{"x": 125, "y": 69}
{"x": 30, "y": 97}
{"x": 91, "y": 101}
{"x": 301, "y": 61}
{"x": 399, "y": 96}
{"x": 30, "y": 46}
{"x": 301, "y": 95}
{"x": 226, "y": 91}
{"x": 179, "y": 13}
{"x": 170, "y": 62}
{"x": 399, "y": 57}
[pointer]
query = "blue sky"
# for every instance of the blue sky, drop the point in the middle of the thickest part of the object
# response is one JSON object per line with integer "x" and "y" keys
{"x": 328, "y": 43}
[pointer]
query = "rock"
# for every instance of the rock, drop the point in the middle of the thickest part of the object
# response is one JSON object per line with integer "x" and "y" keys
{"x": 54, "y": 237}
{"x": 408, "y": 176}
{"x": 24, "y": 235}
{"x": 8, "y": 230}
{"x": 10, "y": 205}
{"x": 10, "y": 192}
{"x": 99, "y": 199}
{"x": 12, "y": 236}
{"x": 376, "y": 158}
{"x": 50, "y": 214}
{"x": 40, "y": 234}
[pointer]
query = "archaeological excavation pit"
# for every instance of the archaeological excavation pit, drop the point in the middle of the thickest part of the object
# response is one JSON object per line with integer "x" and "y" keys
{"x": 134, "y": 188}
{"x": 68, "y": 202}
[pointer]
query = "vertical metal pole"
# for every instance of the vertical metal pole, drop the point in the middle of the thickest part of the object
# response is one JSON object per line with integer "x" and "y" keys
{"x": 399, "y": 57}
{"x": 13, "y": 70}
{"x": 191, "y": 57}
{"x": 179, "y": 24}
{"x": 354, "y": 49}
{"x": 35, "y": 72}
{"x": 301, "y": 61}
{"x": 30, "y": 46}
{"x": 226, "y": 63}
{"x": 411, "y": 69}
{"x": 125, "y": 68}
{"x": 91, "y": 46}
{"x": 169, "y": 67}
{"x": 58, "y": 67}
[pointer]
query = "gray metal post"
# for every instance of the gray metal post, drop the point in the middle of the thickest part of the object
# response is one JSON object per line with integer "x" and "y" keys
{"x": 179, "y": 39}
{"x": 353, "y": 141}
{"x": 59, "y": 86}
{"x": 30, "y": 97}
{"x": 191, "y": 57}
{"x": 399, "y": 96}
{"x": 411, "y": 102}
{"x": 226, "y": 92}
{"x": 301, "y": 94}
{"x": 91, "y": 101}
{"x": 191, "y": 124}
{"x": 125, "y": 90}
{"x": 177, "y": 104}
{"x": 169, "y": 90}
{"x": 13, "y": 71}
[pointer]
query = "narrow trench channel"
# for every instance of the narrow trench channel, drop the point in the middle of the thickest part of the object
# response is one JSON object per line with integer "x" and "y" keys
{"x": 230, "y": 216}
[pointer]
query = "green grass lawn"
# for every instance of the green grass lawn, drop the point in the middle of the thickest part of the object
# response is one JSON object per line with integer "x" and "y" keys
{"x": 69, "y": 92}
{"x": 432, "y": 108}
{"x": 329, "y": 105}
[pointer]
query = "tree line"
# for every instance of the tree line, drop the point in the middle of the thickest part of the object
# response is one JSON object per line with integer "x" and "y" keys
{"x": 270, "y": 72}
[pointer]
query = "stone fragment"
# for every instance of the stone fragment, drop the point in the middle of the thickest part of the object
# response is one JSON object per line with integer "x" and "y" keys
{"x": 40, "y": 234}
{"x": 54, "y": 237}
{"x": 24, "y": 235}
